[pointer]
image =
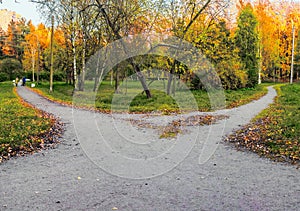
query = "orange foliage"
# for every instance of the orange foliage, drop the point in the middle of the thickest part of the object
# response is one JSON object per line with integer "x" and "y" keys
{"x": 275, "y": 28}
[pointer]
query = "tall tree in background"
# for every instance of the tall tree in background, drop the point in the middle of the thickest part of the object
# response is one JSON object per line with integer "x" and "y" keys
{"x": 188, "y": 18}
{"x": 183, "y": 14}
{"x": 35, "y": 44}
{"x": 31, "y": 51}
{"x": 87, "y": 21}
{"x": 269, "y": 28}
{"x": 119, "y": 17}
{"x": 69, "y": 23}
{"x": 218, "y": 46}
{"x": 15, "y": 35}
{"x": 2, "y": 41}
{"x": 246, "y": 40}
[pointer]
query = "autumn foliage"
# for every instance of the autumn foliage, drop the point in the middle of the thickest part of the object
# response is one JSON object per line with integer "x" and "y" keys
{"x": 254, "y": 40}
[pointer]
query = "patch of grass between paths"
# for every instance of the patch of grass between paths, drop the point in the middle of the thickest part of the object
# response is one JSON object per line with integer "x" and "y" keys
{"x": 160, "y": 102}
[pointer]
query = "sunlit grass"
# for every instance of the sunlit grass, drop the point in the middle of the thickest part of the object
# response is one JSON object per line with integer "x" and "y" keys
{"x": 130, "y": 97}
{"x": 19, "y": 123}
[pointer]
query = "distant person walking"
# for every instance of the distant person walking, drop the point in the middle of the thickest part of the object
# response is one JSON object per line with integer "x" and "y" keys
{"x": 17, "y": 81}
{"x": 24, "y": 81}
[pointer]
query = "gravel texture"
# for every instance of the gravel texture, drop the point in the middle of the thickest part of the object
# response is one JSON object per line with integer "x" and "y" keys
{"x": 70, "y": 178}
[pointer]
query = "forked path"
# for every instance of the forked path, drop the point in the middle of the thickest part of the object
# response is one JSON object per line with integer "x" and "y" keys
{"x": 65, "y": 178}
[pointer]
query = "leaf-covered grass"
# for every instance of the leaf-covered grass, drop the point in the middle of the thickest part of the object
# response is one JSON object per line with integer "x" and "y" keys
{"x": 23, "y": 129}
{"x": 159, "y": 102}
{"x": 179, "y": 126}
{"x": 175, "y": 127}
{"x": 275, "y": 133}
{"x": 243, "y": 96}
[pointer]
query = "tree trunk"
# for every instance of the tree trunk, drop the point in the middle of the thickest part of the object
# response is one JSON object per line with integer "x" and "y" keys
{"x": 141, "y": 77}
{"x": 51, "y": 50}
{"x": 99, "y": 74}
{"x": 74, "y": 63}
{"x": 82, "y": 74}
{"x": 170, "y": 79}
{"x": 33, "y": 63}
{"x": 38, "y": 65}
{"x": 117, "y": 81}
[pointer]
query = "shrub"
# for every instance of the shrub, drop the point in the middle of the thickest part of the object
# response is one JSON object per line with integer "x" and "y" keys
{"x": 230, "y": 75}
{"x": 59, "y": 76}
{"x": 45, "y": 76}
{"x": 12, "y": 67}
{"x": 4, "y": 77}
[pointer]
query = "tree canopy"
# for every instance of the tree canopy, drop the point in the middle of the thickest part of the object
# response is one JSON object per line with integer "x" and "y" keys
{"x": 256, "y": 40}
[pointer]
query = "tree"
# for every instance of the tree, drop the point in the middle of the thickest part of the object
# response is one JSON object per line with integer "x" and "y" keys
{"x": 179, "y": 10}
{"x": 269, "y": 27}
{"x": 15, "y": 35}
{"x": 184, "y": 18}
{"x": 69, "y": 23}
{"x": 119, "y": 19}
{"x": 2, "y": 41}
{"x": 247, "y": 42}
{"x": 218, "y": 46}
{"x": 78, "y": 21}
{"x": 35, "y": 44}
{"x": 87, "y": 17}
{"x": 51, "y": 7}
{"x": 12, "y": 67}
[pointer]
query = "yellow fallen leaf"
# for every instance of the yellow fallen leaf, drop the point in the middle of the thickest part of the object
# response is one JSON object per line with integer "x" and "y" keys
{"x": 79, "y": 178}
{"x": 114, "y": 208}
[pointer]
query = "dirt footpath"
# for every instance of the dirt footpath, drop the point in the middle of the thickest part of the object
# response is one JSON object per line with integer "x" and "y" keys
{"x": 69, "y": 178}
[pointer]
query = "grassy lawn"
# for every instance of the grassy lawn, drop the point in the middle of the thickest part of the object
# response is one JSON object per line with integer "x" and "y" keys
{"x": 139, "y": 103}
{"x": 239, "y": 97}
{"x": 275, "y": 133}
{"x": 23, "y": 128}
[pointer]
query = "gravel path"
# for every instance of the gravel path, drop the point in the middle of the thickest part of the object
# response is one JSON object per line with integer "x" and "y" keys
{"x": 70, "y": 178}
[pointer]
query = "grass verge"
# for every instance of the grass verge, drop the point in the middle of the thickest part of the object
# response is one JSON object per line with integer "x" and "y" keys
{"x": 159, "y": 102}
{"x": 275, "y": 133}
{"x": 24, "y": 129}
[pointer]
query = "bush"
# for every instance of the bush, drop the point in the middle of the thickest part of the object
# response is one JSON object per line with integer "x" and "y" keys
{"x": 59, "y": 76}
{"x": 29, "y": 75}
{"x": 196, "y": 83}
{"x": 4, "y": 77}
{"x": 230, "y": 75}
{"x": 45, "y": 76}
{"x": 12, "y": 67}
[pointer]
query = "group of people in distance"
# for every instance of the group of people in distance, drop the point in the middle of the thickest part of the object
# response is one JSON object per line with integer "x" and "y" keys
{"x": 22, "y": 81}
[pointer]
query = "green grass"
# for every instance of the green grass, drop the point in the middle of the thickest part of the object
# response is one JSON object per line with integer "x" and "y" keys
{"x": 275, "y": 133}
{"x": 243, "y": 96}
{"x": 285, "y": 112}
{"x": 138, "y": 101}
{"x": 61, "y": 91}
{"x": 20, "y": 124}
